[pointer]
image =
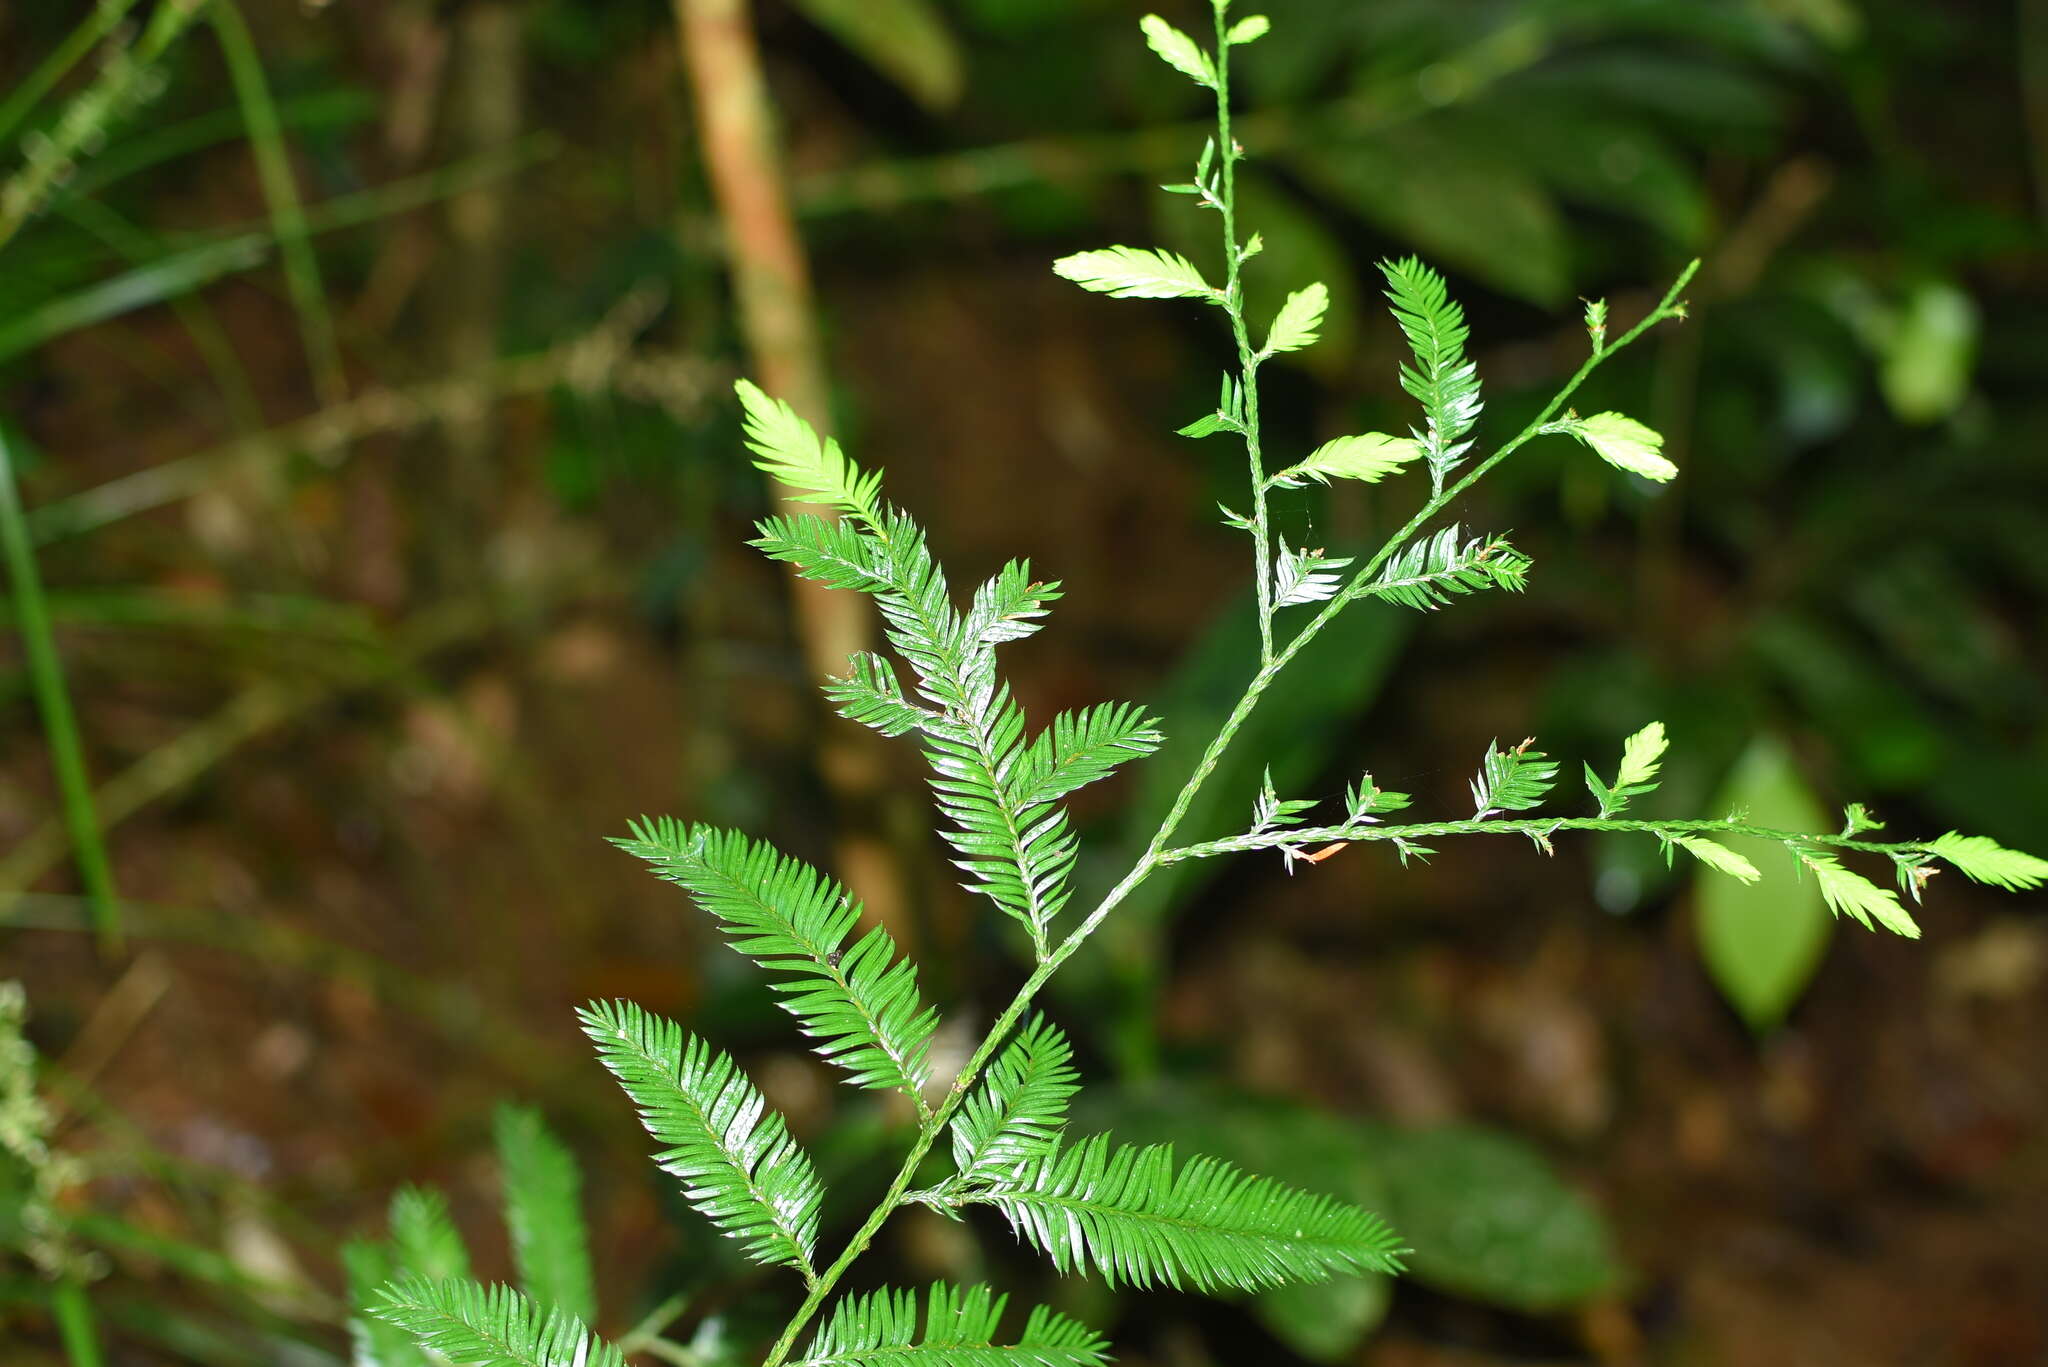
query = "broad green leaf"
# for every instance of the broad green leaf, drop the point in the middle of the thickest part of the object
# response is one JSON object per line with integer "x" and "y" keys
{"x": 1762, "y": 941}
{"x": 1457, "y": 201}
{"x": 1294, "y": 327}
{"x": 1625, "y": 444}
{"x": 1986, "y": 861}
{"x": 906, "y": 40}
{"x": 1136, "y": 273}
{"x": 1178, "y": 50}
{"x": 1487, "y": 1218}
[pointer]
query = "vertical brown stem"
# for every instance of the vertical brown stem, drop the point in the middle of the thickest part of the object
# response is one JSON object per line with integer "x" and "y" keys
{"x": 772, "y": 282}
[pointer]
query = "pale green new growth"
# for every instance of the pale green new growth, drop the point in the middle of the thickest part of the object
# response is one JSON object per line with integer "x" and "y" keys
{"x": 1294, "y": 327}
{"x": 786, "y": 448}
{"x": 1370, "y": 457}
{"x": 1131, "y": 1214}
{"x": 1178, "y": 50}
{"x": 1249, "y": 29}
{"x": 1984, "y": 860}
{"x": 478, "y": 1326}
{"x": 1640, "y": 755}
{"x": 1718, "y": 856}
{"x": 1625, "y": 444}
{"x": 1136, "y": 273}
{"x": 1853, "y": 895}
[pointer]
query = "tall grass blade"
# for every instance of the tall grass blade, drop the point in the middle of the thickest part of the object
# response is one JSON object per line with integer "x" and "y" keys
{"x": 46, "y": 679}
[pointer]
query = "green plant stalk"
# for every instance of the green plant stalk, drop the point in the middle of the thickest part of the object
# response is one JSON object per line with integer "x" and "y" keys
{"x": 73, "y": 1313}
{"x": 60, "y": 725}
{"x": 122, "y": 84}
{"x": 281, "y": 190}
{"x": 1156, "y": 852}
{"x": 1247, "y": 358}
{"x": 1529, "y": 826}
{"x": 76, "y": 44}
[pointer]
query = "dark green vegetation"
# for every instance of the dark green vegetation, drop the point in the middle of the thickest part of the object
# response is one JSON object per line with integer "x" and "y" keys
{"x": 363, "y": 689}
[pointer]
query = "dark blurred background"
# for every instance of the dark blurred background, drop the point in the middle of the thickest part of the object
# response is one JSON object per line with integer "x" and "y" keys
{"x": 368, "y": 388}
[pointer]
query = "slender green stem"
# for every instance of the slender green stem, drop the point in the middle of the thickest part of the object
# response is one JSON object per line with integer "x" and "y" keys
{"x": 1247, "y": 358}
{"x": 281, "y": 190}
{"x": 654, "y": 1324}
{"x": 60, "y": 725}
{"x": 1530, "y": 826}
{"x": 73, "y": 1313}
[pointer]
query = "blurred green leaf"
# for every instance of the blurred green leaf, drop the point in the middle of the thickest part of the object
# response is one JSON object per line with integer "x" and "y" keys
{"x": 1487, "y": 1218}
{"x": 1457, "y": 199}
{"x": 1928, "y": 352}
{"x": 172, "y": 276}
{"x": 906, "y": 40}
{"x": 1762, "y": 941}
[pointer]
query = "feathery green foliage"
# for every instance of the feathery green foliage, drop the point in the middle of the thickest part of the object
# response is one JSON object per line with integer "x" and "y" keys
{"x": 860, "y": 1003}
{"x": 959, "y": 1331}
{"x": 1433, "y": 570}
{"x": 1851, "y": 894}
{"x": 1020, "y": 1107}
{"x": 1640, "y": 757}
{"x": 424, "y": 1236}
{"x": 471, "y": 1325}
{"x": 1294, "y": 327}
{"x": 1986, "y": 861}
{"x": 1717, "y": 856}
{"x": 1136, "y": 273}
{"x": 1512, "y": 780}
{"x": 1132, "y": 1214}
{"x": 543, "y": 1191}
{"x": 1442, "y": 380}
{"x": 1126, "y": 1212}
{"x": 739, "y": 1167}
{"x": 1369, "y": 458}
